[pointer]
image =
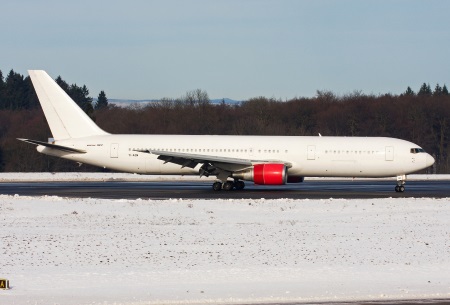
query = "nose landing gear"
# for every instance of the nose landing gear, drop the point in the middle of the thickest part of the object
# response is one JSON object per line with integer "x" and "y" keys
{"x": 400, "y": 187}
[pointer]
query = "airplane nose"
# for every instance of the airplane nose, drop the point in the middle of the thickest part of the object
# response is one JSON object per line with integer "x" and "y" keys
{"x": 429, "y": 160}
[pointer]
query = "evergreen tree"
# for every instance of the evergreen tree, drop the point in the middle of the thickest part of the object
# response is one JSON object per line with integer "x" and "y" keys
{"x": 17, "y": 92}
{"x": 62, "y": 84}
{"x": 409, "y": 91}
{"x": 437, "y": 90}
{"x": 425, "y": 89}
{"x": 102, "y": 101}
{"x": 79, "y": 94}
{"x": 30, "y": 94}
{"x": 444, "y": 90}
{"x": 14, "y": 93}
{"x": 88, "y": 107}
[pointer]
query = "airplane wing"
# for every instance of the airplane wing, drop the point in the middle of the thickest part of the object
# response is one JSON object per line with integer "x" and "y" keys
{"x": 54, "y": 146}
{"x": 211, "y": 164}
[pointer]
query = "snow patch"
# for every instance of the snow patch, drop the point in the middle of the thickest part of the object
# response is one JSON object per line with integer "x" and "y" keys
{"x": 87, "y": 250}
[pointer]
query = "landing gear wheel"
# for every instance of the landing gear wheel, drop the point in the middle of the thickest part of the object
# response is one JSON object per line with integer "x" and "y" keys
{"x": 239, "y": 185}
{"x": 399, "y": 188}
{"x": 217, "y": 186}
{"x": 228, "y": 186}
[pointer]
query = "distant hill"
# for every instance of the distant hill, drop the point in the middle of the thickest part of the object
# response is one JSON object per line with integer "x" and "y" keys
{"x": 125, "y": 103}
{"x": 227, "y": 101}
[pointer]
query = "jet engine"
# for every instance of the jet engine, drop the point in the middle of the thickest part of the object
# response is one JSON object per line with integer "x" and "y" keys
{"x": 267, "y": 173}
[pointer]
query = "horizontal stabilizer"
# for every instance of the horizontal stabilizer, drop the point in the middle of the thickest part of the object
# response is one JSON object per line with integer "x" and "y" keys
{"x": 54, "y": 146}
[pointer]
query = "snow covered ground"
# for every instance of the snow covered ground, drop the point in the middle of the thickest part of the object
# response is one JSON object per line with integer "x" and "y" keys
{"x": 97, "y": 251}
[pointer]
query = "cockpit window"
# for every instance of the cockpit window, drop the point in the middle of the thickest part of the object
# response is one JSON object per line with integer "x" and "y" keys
{"x": 417, "y": 150}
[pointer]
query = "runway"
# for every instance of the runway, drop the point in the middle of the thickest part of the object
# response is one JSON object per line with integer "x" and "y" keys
{"x": 202, "y": 190}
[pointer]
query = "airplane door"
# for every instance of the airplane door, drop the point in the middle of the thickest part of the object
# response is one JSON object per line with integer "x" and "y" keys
{"x": 311, "y": 152}
{"x": 114, "y": 150}
{"x": 389, "y": 153}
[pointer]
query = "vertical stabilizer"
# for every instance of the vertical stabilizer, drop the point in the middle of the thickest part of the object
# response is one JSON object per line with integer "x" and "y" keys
{"x": 65, "y": 118}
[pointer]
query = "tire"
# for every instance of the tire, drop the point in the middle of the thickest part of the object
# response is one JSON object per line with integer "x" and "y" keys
{"x": 228, "y": 186}
{"x": 217, "y": 186}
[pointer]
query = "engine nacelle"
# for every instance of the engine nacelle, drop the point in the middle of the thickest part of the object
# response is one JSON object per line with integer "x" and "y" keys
{"x": 267, "y": 173}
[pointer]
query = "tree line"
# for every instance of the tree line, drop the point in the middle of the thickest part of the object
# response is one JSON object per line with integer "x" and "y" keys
{"x": 422, "y": 118}
{"x": 425, "y": 90}
{"x": 17, "y": 93}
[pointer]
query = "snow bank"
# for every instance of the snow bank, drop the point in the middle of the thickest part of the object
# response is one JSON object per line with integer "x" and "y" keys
{"x": 83, "y": 251}
{"x": 34, "y": 177}
{"x": 97, "y": 177}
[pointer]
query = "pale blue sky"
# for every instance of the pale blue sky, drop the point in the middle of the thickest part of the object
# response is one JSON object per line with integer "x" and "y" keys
{"x": 237, "y": 49}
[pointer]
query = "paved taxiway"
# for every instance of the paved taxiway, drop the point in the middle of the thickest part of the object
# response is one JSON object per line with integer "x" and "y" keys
{"x": 202, "y": 190}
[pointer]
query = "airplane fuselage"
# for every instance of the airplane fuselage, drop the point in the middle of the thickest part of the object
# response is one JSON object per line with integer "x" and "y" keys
{"x": 308, "y": 156}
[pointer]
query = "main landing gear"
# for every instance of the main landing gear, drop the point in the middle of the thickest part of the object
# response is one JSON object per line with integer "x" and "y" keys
{"x": 400, "y": 187}
{"x": 228, "y": 185}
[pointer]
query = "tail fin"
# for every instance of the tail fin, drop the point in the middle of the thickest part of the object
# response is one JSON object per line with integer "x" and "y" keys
{"x": 65, "y": 118}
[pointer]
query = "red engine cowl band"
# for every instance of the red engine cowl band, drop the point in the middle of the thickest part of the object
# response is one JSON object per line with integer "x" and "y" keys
{"x": 269, "y": 174}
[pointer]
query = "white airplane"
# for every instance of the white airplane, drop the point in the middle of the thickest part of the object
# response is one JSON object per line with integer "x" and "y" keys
{"x": 269, "y": 160}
